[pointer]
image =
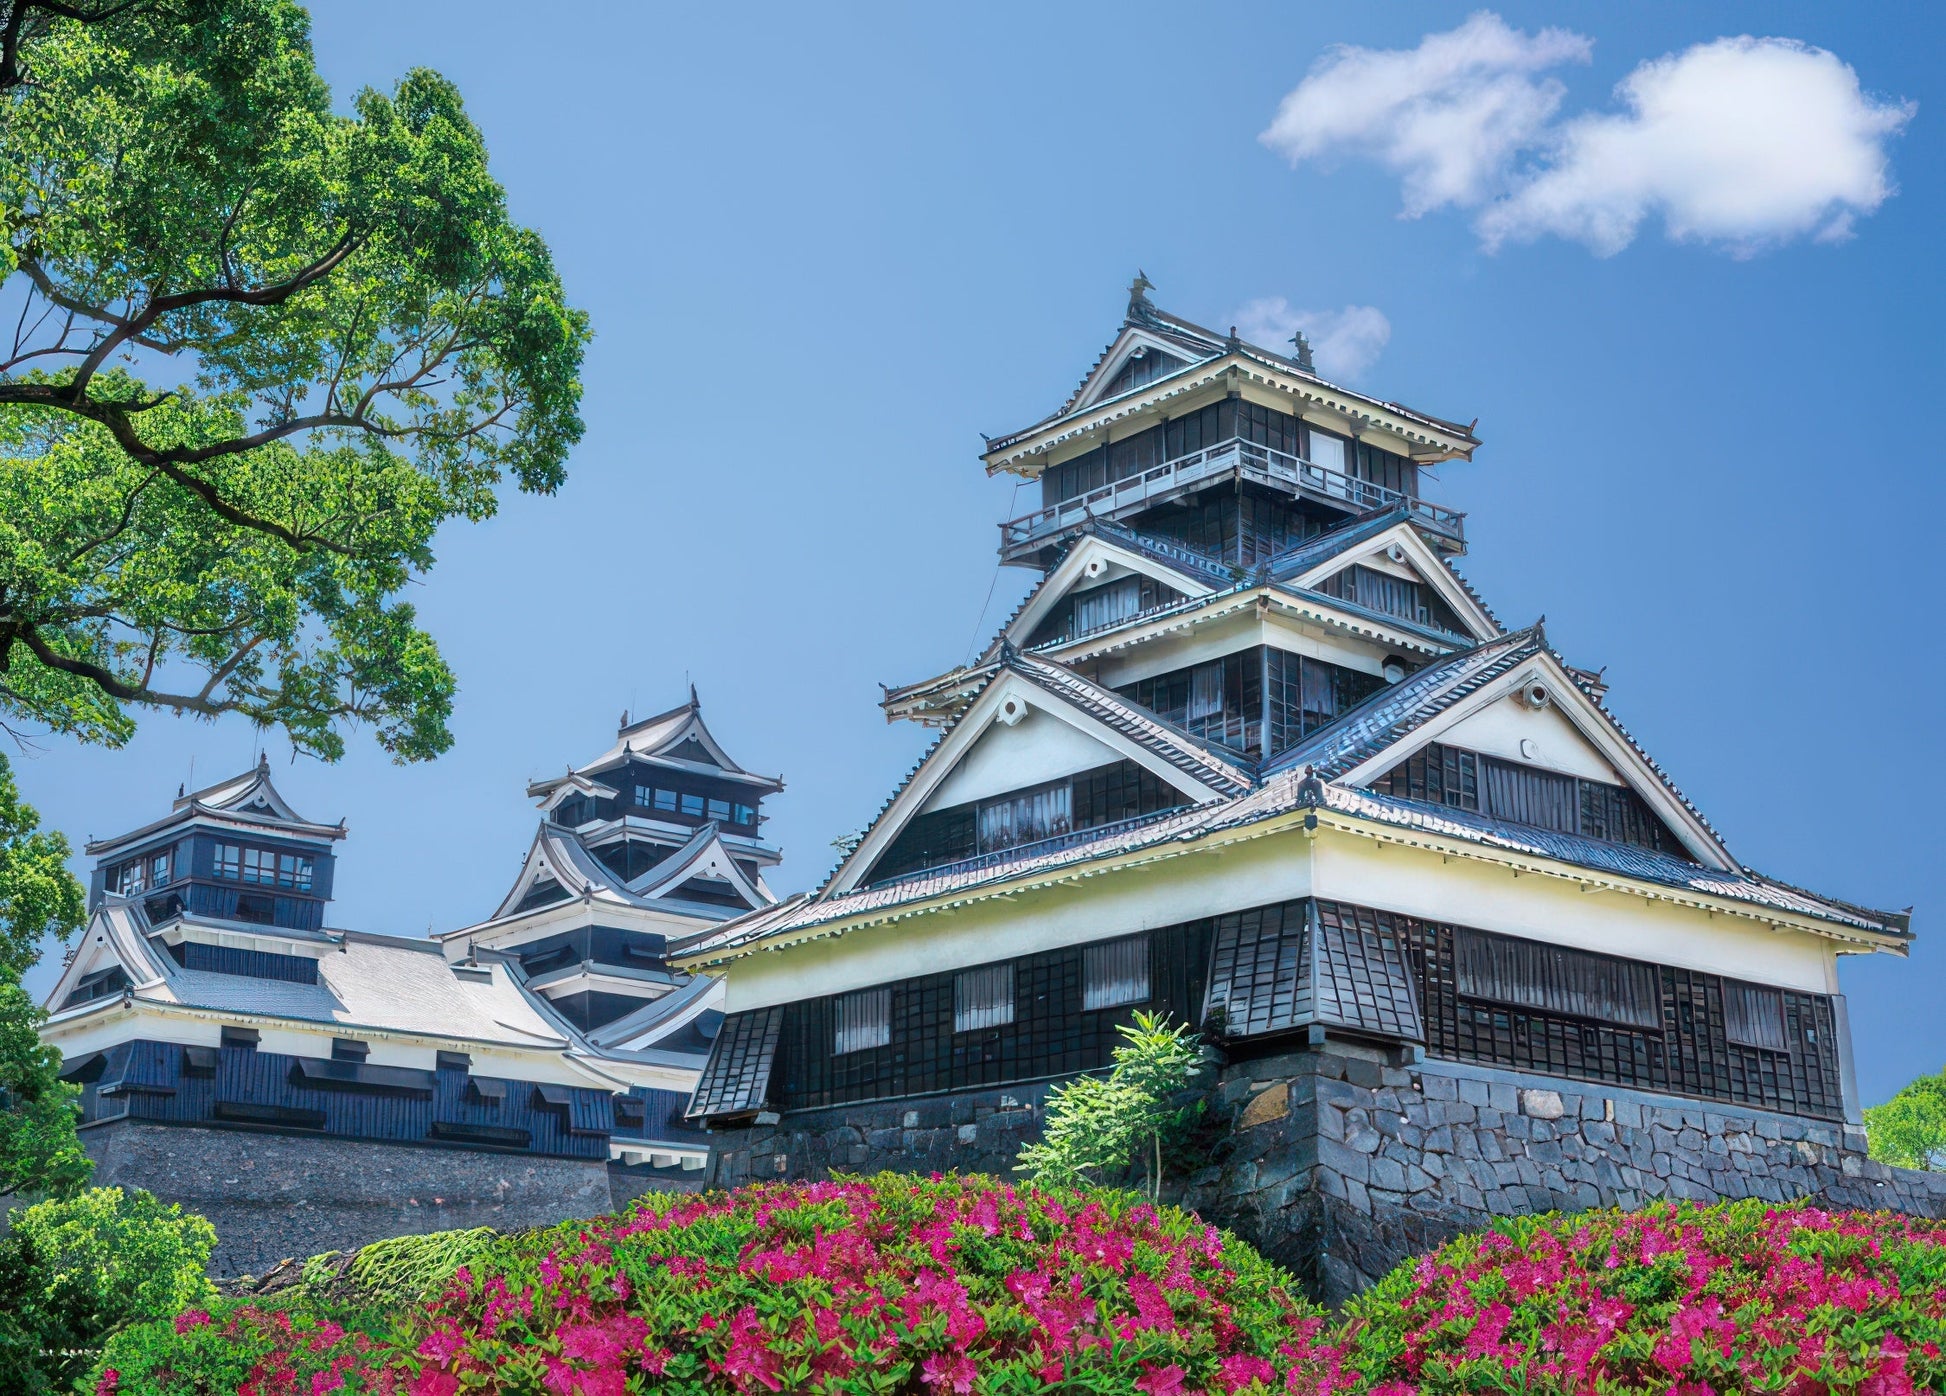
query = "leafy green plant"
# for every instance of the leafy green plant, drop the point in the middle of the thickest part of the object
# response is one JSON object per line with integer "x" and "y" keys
{"x": 407, "y": 1269}
{"x": 1098, "y": 1126}
{"x": 1909, "y": 1130}
{"x": 87, "y": 1266}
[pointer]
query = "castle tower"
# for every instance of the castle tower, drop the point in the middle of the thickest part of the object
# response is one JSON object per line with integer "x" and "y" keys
{"x": 658, "y": 837}
{"x": 1252, "y": 753}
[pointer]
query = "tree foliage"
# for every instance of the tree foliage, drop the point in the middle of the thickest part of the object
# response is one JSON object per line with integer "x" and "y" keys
{"x": 1097, "y": 1127}
{"x": 261, "y": 350}
{"x": 77, "y": 1271}
{"x": 1909, "y": 1130}
{"x": 39, "y": 1151}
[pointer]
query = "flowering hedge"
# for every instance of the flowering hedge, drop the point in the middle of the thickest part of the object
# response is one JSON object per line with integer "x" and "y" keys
{"x": 1737, "y": 1297}
{"x": 884, "y": 1285}
{"x": 895, "y": 1285}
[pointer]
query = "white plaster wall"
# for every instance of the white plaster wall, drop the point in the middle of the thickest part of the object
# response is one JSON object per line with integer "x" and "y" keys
{"x": 1245, "y": 629}
{"x": 1274, "y": 868}
{"x": 1039, "y": 747}
{"x": 1422, "y": 882}
{"x": 1499, "y": 728}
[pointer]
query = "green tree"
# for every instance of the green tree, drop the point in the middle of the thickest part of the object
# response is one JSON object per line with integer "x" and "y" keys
{"x": 85, "y": 1267}
{"x": 1098, "y": 1127}
{"x": 1909, "y": 1130}
{"x": 39, "y": 1151}
{"x": 262, "y": 351}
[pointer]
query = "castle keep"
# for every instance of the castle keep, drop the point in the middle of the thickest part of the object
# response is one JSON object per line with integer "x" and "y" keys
{"x": 1253, "y": 753}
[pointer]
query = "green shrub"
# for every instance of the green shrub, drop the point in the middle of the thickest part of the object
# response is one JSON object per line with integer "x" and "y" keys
{"x": 77, "y": 1270}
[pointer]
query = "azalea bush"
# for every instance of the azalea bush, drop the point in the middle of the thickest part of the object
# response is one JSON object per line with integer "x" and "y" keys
{"x": 957, "y": 1286}
{"x": 1741, "y": 1296}
{"x": 883, "y": 1285}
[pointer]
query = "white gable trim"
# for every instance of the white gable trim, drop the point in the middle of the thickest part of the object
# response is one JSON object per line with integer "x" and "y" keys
{"x": 706, "y": 856}
{"x": 1006, "y": 687}
{"x": 1590, "y": 721}
{"x": 1418, "y": 559}
{"x": 1131, "y": 339}
{"x": 1084, "y": 562}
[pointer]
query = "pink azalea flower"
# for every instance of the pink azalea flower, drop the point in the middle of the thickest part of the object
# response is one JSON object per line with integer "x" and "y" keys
{"x": 1161, "y": 1381}
{"x": 953, "y": 1372}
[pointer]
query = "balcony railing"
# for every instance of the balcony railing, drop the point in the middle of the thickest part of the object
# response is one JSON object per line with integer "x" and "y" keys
{"x": 1232, "y": 459}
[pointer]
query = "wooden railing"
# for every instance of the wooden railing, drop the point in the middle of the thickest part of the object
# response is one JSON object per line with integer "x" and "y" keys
{"x": 1235, "y": 458}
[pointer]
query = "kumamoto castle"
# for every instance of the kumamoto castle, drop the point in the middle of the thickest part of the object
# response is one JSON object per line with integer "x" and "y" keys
{"x": 1251, "y": 753}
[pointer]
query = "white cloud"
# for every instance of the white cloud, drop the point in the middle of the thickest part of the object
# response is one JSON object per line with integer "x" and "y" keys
{"x": 1344, "y": 342}
{"x": 1447, "y": 117}
{"x": 1741, "y": 142}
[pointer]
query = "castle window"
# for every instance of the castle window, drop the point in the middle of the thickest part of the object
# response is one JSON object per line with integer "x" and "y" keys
{"x": 1114, "y": 973}
{"x": 1028, "y": 817}
{"x": 666, "y": 800}
{"x": 1327, "y": 452}
{"x": 983, "y": 998}
{"x": 256, "y": 908}
{"x": 1206, "y": 691}
{"x": 745, "y": 814}
{"x": 264, "y": 867}
{"x": 719, "y": 810}
{"x": 1753, "y": 1016}
{"x": 692, "y": 804}
{"x": 861, "y": 1021}
{"x": 240, "y": 1037}
{"x": 349, "y": 1049}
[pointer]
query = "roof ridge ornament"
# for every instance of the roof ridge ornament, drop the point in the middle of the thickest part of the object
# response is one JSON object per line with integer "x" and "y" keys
{"x": 1303, "y": 347}
{"x": 1139, "y": 305}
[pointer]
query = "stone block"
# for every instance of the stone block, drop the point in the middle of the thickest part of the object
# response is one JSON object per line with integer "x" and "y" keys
{"x": 1502, "y": 1096}
{"x": 1542, "y": 1104}
{"x": 1472, "y": 1091}
{"x": 1440, "y": 1088}
{"x": 1364, "y": 1073}
{"x": 1272, "y": 1103}
{"x": 968, "y": 1133}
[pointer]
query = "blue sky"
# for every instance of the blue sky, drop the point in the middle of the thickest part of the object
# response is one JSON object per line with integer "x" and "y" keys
{"x": 821, "y": 256}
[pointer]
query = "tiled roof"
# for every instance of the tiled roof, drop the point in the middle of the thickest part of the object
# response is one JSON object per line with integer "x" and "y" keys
{"x": 1188, "y": 754}
{"x": 1393, "y": 712}
{"x": 1597, "y": 855}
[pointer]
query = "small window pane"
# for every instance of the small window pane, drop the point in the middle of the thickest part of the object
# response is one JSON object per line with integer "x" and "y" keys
{"x": 1327, "y": 451}
{"x": 745, "y": 814}
{"x": 719, "y": 810}
{"x": 862, "y": 1020}
{"x": 665, "y": 800}
{"x": 1206, "y": 690}
{"x": 983, "y": 998}
{"x": 1115, "y": 973}
{"x": 1754, "y": 1016}
{"x": 229, "y": 860}
{"x": 692, "y": 804}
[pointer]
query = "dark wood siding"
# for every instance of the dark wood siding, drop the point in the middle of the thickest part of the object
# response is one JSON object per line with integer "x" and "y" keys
{"x": 1445, "y": 775}
{"x": 241, "y": 1086}
{"x": 1051, "y": 1034}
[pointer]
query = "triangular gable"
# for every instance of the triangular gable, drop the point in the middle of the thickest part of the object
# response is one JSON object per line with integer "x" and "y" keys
{"x": 705, "y": 855}
{"x": 249, "y": 793}
{"x": 1095, "y": 561}
{"x": 1024, "y": 686}
{"x": 568, "y": 786}
{"x": 1364, "y": 745}
{"x": 112, "y": 940}
{"x": 678, "y": 735}
{"x": 1398, "y": 550}
{"x": 1133, "y": 344}
{"x": 557, "y": 856}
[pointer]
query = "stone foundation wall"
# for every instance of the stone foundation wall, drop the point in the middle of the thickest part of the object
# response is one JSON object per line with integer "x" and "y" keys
{"x": 973, "y": 1132}
{"x": 274, "y": 1196}
{"x": 1340, "y": 1165}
